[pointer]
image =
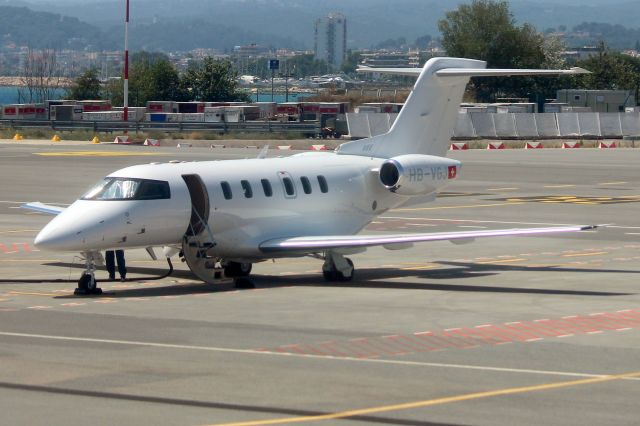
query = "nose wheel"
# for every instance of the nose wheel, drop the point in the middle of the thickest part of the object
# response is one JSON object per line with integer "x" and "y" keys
{"x": 87, "y": 284}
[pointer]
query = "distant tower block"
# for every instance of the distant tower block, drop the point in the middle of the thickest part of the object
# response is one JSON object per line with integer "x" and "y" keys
{"x": 331, "y": 40}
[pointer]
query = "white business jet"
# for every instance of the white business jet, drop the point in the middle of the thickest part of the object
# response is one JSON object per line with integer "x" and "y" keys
{"x": 223, "y": 216}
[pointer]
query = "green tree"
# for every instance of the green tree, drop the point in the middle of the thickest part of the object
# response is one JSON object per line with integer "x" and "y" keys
{"x": 152, "y": 77}
{"x": 212, "y": 80}
{"x": 609, "y": 71}
{"x": 486, "y": 30}
{"x": 86, "y": 87}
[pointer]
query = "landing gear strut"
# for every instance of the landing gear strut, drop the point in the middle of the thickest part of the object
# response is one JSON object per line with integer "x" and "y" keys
{"x": 87, "y": 284}
{"x": 336, "y": 267}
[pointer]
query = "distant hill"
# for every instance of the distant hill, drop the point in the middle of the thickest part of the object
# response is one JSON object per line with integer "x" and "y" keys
{"x": 23, "y": 26}
{"x": 370, "y": 21}
{"x": 172, "y": 25}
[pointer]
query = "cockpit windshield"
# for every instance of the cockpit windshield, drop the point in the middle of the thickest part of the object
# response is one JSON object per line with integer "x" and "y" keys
{"x": 114, "y": 189}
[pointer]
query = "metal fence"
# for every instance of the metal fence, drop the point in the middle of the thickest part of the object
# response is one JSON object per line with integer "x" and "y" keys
{"x": 516, "y": 125}
{"x": 311, "y": 128}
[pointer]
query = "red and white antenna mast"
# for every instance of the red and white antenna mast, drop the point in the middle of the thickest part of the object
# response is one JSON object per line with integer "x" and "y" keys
{"x": 126, "y": 63}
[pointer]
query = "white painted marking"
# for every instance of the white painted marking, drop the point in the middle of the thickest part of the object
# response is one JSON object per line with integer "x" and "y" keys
{"x": 479, "y": 221}
{"x": 317, "y": 357}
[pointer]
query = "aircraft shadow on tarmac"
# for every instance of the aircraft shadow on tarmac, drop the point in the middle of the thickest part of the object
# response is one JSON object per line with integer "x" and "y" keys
{"x": 115, "y": 396}
{"x": 373, "y": 278}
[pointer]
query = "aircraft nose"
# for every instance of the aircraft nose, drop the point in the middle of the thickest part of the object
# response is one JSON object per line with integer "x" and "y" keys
{"x": 55, "y": 238}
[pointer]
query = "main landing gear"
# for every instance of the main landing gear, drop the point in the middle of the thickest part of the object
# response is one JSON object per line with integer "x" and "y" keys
{"x": 338, "y": 268}
{"x": 240, "y": 274}
{"x": 87, "y": 284}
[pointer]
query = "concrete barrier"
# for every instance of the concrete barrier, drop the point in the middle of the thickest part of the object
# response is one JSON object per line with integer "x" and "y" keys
{"x": 570, "y": 144}
{"x": 495, "y": 145}
{"x": 533, "y": 145}
{"x": 607, "y": 144}
{"x": 459, "y": 146}
{"x": 151, "y": 142}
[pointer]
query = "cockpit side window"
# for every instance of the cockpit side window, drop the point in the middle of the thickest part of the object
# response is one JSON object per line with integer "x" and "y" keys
{"x": 118, "y": 189}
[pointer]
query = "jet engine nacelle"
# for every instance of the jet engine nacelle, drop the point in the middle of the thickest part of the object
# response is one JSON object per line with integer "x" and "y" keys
{"x": 416, "y": 174}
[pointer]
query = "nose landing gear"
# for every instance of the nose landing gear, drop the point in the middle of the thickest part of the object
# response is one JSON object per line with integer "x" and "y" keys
{"x": 87, "y": 284}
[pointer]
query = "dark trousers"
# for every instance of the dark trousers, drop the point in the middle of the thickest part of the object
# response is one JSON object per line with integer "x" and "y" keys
{"x": 111, "y": 266}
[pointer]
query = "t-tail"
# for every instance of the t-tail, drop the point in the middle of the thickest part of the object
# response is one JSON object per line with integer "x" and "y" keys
{"x": 426, "y": 122}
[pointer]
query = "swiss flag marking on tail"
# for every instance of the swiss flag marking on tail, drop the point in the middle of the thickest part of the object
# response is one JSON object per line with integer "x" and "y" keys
{"x": 453, "y": 172}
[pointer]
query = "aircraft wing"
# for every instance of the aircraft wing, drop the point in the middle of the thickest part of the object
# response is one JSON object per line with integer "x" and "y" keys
{"x": 322, "y": 243}
{"x": 43, "y": 208}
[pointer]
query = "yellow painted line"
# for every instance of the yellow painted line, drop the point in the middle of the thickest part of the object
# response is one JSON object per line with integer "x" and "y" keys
{"x": 558, "y": 186}
{"x": 585, "y": 254}
{"x": 502, "y": 261}
{"x": 24, "y": 293}
{"x": 458, "y": 207}
{"x": 438, "y": 401}
{"x": 95, "y": 154}
{"x": 612, "y": 183}
{"x": 420, "y": 268}
{"x": 502, "y": 189}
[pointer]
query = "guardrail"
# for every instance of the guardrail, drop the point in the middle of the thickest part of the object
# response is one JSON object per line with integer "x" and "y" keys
{"x": 483, "y": 125}
{"x": 145, "y": 126}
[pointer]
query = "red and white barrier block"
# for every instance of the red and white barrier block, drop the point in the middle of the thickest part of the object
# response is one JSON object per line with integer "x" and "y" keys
{"x": 284, "y": 147}
{"x": 459, "y": 146}
{"x": 533, "y": 145}
{"x": 607, "y": 144}
{"x": 122, "y": 140}
{"x": 318, "y": 147}
{"x": 151, "y": 142}
{"x": 570, "y": 144}
{"x": 495, "y": 145}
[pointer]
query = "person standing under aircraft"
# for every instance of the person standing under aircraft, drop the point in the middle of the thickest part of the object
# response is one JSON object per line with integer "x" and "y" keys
{"x": 111, "y": 266}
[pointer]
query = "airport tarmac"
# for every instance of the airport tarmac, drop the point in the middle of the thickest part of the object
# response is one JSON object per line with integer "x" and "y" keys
{"x": 504, "y": 331}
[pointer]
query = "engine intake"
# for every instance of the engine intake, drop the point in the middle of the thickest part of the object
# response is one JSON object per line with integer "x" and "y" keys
{"x": 417, "y": 174}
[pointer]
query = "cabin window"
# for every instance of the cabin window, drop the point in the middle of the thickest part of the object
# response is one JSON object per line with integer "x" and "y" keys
{"x": 266, "y": 187}
{"x": 115, "y": 189}
{"x": 246, "y": 188}
{"x": 306, "y": 185}
{"x": 322, "y": 181}
{"x": 226, "y": 190}
{"x": 288, "y": 186}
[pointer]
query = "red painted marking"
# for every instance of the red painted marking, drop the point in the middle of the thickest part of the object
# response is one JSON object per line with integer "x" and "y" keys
{"x": 605, "y": 322}
{"x": 331, "y": 349}
{"x": 424, "y": 338}
{"x": 525, "y": 331}
{"x": 26, "y": 247}
{"x": 404, "y": 341}
{"x": 453, "y": 341}
{"x": 629, "y": 314}
{"x": 620, "y": 319}
{"x": 293, "y": 349}
{"x": 498, "y": 333}
{"x": 578, "y": 325}
{"x": 382, "y": 346}
{"x": 371, "y": 352}
{"x": 314, "y": 351}
{"x": 353, "y": 349}
{"x": 551, "y": 327}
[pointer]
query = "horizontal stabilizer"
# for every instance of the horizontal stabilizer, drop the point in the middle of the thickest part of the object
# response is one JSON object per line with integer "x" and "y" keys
{"x": 43, "y": 208}
{"x": 474, "y": 72}
{"x": 321, "y": 243}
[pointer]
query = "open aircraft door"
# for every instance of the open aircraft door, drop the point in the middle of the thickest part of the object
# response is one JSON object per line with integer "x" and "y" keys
{"x": 199, "y": 239}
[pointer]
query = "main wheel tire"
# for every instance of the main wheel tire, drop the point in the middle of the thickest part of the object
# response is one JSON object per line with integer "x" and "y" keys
{"x": 237, "y": 269}
{"x": 334, "y": 275}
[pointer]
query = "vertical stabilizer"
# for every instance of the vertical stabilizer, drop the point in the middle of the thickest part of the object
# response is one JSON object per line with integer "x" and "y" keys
{"x": 426, "y": 122}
